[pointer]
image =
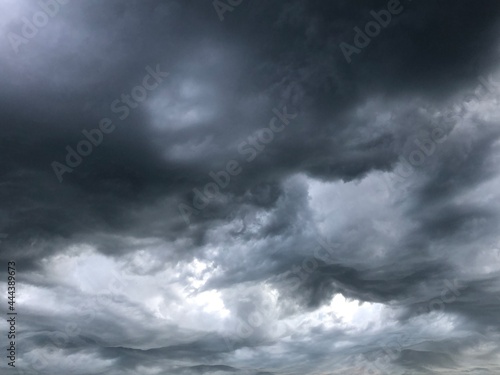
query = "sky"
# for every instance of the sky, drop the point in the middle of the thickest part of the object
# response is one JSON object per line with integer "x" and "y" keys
{"x": 250, "y": 187}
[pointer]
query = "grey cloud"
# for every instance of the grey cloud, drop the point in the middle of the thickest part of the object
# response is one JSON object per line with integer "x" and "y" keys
{"x": 359, "y": 167}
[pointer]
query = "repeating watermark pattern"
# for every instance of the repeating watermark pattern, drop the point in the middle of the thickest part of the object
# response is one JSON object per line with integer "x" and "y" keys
{"x": 325, "y": 252}
{"x": 391, "y": 351}
{"x": 252, "y": 147}
{"x": 372, "y": 29}
{"x": 31, "y": 26}
{"x": 426, "y": 146}
{"x": 122, "y": 106}
{"x": 223, "y": 6}
{"x": 258, "y": 316}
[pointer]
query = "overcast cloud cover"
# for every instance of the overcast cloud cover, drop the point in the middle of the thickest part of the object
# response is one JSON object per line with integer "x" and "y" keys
{"x": 275, "y": 193}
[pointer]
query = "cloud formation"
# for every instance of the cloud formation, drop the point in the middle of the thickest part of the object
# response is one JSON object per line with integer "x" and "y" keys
{"x": 252, "y": 187}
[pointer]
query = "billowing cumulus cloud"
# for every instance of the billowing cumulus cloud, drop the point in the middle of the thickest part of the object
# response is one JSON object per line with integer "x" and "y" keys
{"x": 236, "y": 187}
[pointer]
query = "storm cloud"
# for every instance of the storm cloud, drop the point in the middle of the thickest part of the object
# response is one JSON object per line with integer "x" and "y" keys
{"x": 251, "y": 187}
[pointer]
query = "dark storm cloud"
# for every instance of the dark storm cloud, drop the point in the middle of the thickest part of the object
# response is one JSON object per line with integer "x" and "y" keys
{"x": 141, "y": 174}
{"x": 226, "y": 80}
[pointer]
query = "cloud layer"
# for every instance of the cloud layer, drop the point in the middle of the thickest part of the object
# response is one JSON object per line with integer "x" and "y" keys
{"x": 189, "y": 195}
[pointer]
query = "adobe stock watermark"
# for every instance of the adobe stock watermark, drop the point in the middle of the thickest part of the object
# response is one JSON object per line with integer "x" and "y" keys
{"x": 426, "y": 146}
{"x": 392, "y": 350}
{"x": 486, "y": 86}
{"x": 372, "y": 29}
{"x": 250, "y": 148}
{"x": 259, "y": 317}
{"x": 31, "y": 26}
{"x": 122, "y": 106}
{"x": 223, "y": 6}
{"x": 326, "y": 252}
